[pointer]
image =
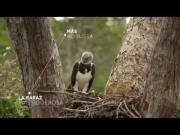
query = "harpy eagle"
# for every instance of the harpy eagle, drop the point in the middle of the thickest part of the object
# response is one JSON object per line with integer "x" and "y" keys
{"x": 83, "y": 73}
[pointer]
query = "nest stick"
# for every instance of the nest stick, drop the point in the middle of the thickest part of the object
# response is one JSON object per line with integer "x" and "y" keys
{"x": 74, "y": 110}
{"x": 135, "y": 110}
{"x": 125, "y": 112}
{"x": 85, "y": 102}
{"x": 117, "y": 110}
{"x": 134, "y": 116}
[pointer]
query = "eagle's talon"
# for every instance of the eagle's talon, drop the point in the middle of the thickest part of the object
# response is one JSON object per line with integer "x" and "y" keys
{"x": 76, "y": 90}
{"x": 84, "y": 92}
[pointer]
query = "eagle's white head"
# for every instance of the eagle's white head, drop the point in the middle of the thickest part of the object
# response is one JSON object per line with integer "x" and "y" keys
{"x": 87, "y": 57}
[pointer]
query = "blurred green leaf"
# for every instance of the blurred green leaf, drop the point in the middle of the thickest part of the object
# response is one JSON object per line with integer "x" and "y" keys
{"x": 12, "y": 108}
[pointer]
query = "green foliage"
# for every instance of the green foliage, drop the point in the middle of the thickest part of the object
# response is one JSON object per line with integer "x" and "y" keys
{"x": 12, "y": 108}
{"x": 10, "y": 77}
{"x": 4, "y": 38}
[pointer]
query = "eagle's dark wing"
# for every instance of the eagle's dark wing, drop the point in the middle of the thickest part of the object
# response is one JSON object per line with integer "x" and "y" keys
{"x": 74, "y": 73}
{"x": 92, "y": 79}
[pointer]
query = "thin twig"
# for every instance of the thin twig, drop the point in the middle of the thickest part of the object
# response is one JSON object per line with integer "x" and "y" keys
{"x": 86, "y": 102}
{"x": 74, "y": 110}
{"x": 117, "y": 110}
{"x": 134, "y": 116}
{"x": 67, "y": 117}
{"x": 96, "y": 103}
{"x": 125, "y": 112}
{"x": 135, "y": 110}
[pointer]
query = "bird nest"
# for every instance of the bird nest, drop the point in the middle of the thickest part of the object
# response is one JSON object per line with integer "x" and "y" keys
{"x": 93, "y": 105}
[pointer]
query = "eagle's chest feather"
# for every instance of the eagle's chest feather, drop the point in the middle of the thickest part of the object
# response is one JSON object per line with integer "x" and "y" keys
{"x": 83, "y": 78}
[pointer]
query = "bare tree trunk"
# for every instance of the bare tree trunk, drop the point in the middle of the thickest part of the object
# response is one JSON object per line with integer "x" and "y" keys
{"x": 163, "y": 81}
{"x": 20, "y": 44}
{"x": 33, "y": 41}
{"x": 129, "y": 72}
